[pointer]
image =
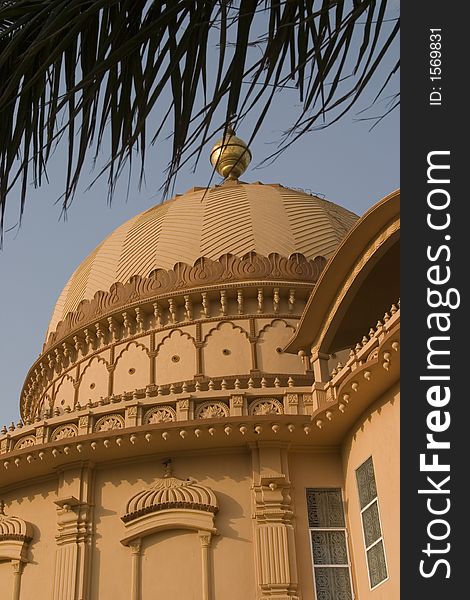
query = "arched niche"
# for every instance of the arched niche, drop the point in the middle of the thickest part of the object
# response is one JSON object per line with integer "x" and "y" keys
{"x": 132, "y": 368}
{"x": 271, "y": 357}
{"x": 94, "y": 380}
{"x": 227, "y": 351}
{"x": 178, "y": 511}
{"x": 176, "y": 358}
{"x": 15, "y": 537}
{"x": 65, "y": 393}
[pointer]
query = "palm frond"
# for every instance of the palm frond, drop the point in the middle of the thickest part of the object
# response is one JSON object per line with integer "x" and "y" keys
{"x": 96, "y": 73}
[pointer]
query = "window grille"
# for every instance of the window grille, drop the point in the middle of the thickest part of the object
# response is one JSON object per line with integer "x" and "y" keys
{"x": 331, "y": 565}
{"x": 371, "y": 526}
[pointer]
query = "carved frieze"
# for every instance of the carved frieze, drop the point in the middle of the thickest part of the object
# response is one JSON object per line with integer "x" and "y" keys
{"x": 64, "y": 431}
{"x": 109, "y": 422}
{"x": 212, "y": 410}
{"x": 160, "y": 414}
{"x": 266, "y": 406}
{"x": 204, "y": 272}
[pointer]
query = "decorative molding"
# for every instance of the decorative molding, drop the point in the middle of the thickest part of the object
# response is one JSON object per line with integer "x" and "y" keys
{"x": 212, "y": 410}
{"x": 171, "y": 493}
{"x": 227, "y": 269}
{"x": 373, "y": 247}
{"x": 109, "y": 422}
{"x": 266, "y": 406}
{"x": 25, "y": 442}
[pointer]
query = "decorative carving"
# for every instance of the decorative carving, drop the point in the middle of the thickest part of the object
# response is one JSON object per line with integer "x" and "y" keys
{"x": 292, "y": 399}
{"x": 237, "y": 400}
{"x": 160, "y": 414}
{"x": 205, "y": 271}
{"x": 183, "y": 404}
{"x": 212, "y": 410}
{"x": 266, "y": 406}
{"x": 109, "y": 422}
{"x": 64, "y": 431}
{"x": 25, "y": 442}
{"x": 132, "y": 411}
{"x": 171, "y": 492}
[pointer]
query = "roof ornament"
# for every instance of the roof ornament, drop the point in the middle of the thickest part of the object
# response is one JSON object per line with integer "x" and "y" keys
{"x": 230, "y": 156}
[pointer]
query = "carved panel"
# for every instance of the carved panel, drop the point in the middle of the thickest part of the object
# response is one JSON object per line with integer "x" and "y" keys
{"x": 377, "y": 564}
{"x": 325, "y": 508}
{"x": 204, "y": 272}
{"x": 160, "y": 414}
{"x": 25, "y": 442}
{"x": 64, "y": 431}
{"x": 212, "y": 410}
{"x": 109, "y": 422}
{"x": 266, "y": 406}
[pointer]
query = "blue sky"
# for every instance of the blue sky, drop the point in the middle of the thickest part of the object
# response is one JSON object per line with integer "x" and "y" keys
{"x": 346, "y": 162}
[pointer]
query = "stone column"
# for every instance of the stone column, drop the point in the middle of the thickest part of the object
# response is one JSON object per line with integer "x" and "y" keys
{"x": 276, "y": 566}
{"x": 136, "y": 549}
{"x": 205, "y": 539}
{"x": 18, "y": 566}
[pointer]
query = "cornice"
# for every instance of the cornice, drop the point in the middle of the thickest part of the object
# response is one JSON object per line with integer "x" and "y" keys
{"x": 184, "y": 277}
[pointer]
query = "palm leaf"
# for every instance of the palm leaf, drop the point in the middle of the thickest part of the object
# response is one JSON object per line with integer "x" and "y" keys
{"x": 100, "y": 75}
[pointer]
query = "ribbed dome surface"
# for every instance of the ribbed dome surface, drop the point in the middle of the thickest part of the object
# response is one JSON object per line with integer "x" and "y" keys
{"x": 168, "y": 493}
{"x": 234, "y": 218}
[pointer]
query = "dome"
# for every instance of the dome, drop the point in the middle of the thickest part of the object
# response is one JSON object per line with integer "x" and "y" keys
{"x": 170, "y": 493}
{"x": 234, "y": 217}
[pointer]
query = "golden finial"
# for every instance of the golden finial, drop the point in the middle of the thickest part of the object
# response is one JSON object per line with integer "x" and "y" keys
{"x": 230, "y": 156}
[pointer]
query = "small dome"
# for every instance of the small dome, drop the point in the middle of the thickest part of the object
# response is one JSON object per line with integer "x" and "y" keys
{"x": 233, "y": 218}
{"x": 13, "y": 528}
{"x": 170, "y": 493}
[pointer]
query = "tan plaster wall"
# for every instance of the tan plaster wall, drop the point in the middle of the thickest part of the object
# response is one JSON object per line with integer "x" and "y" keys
{"x": 310, "y": 470}
{"x": 35, "y": 504}
{"x": 231, "y": 552}
{"x": 171, "y": 565}
{"x": 376, "y": 435}
{"x": 176, "y": 345}
{"x": 94, "y": 377}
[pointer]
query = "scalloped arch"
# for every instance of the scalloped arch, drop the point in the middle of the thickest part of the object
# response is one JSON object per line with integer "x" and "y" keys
{"x": 172, "y": 332}
{"x": 222, "y": 324}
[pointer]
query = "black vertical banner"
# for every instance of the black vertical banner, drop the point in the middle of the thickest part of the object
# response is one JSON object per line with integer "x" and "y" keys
{"x": 435, "y": 163}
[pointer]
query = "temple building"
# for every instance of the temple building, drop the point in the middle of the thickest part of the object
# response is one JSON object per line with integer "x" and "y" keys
{"x": 215, "y": 411}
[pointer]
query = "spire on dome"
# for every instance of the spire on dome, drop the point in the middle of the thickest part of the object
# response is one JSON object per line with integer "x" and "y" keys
{"x": 230, "y": 156}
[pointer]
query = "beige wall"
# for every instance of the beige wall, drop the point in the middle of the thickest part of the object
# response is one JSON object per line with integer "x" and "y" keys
{"x": 229, "y": 473}
{"x": 376, "y": 435}
{"x": 230, "y": 479}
